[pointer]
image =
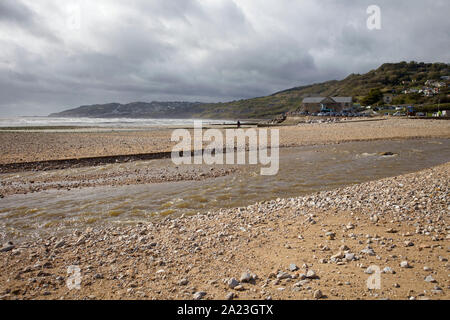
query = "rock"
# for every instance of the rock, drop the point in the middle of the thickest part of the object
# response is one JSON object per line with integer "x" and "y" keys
{"x": 437, "y": 290}
{"x": 245, "y": 277}
{"x": 311, "y": 274}
{"x": 7, "y": 247}
{"x": 337, "y": 256}
{"x": 230, "y": 296}
{"x": 409, "y": 244}
{"x": 47, "y": 265}
{"x": 293, "y": 267}
{"x": 283, "y": 275}
{"x": 426, "y": 268}
{"x": 80, "y": 240}
{"x": 405, "y": 264}
{"x": 98, "y": 276}
{"x": 302, "y": 282}
{"x": 388, "y": 270}
{"x": 183, "y": 282}
{"x": 27, "y": 269}
{"x": 349, "y": 256}
{"x": 199, "y": 295}
{"x": 369, "y": 251}
{"x": 275, "y": 282}
{"x": 330, "y": 235}
{"x": 232, "y": 283}
{"x": 60, "y": 243}
{"x": 239, "y": 287}
{"x": 430, "y": 279}
{"x": 317, "y": 294}
{"x": 42, "y": 274}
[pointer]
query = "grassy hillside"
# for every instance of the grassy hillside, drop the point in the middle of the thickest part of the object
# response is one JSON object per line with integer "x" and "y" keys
{"x": 389, "y": 78}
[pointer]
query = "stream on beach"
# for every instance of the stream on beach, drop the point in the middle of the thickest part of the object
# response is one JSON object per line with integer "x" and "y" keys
{"x": 302, "y": 170}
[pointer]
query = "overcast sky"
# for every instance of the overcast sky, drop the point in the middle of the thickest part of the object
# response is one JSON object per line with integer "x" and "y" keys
{"x": 58, "y": 54}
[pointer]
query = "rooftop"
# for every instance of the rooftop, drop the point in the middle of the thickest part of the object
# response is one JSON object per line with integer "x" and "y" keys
{"x": 321, "y": 99}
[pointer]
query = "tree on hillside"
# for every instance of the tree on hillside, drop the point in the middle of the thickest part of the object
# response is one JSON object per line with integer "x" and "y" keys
{"x": 374, "y": 96}
{"x": 411, "y": 98}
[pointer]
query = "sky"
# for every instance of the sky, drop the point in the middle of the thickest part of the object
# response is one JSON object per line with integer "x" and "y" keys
{"x": 56, "y": 55}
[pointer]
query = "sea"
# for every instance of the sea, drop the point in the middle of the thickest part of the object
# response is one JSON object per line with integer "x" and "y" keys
{"x": 100, "y": 122}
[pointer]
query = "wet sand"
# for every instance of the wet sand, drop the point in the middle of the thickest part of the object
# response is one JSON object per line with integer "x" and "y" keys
{"x": 117, "y": 174}
{"x": 22, "y": 146}
{"x": 58, "y": 152}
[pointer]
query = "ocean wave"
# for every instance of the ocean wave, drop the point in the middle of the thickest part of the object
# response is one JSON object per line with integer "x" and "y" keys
{"x": 98, "y": 122}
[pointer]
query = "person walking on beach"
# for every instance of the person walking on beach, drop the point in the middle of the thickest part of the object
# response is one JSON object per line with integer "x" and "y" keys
{"x": 238, "y": 124}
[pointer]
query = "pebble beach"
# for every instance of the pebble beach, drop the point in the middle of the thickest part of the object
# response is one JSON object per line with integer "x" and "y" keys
{"x": 314, "y": 247}
{"x": 324, "y": 245}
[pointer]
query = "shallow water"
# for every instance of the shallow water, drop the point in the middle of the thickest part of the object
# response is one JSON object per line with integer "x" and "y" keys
{"x": 303, "y": 170}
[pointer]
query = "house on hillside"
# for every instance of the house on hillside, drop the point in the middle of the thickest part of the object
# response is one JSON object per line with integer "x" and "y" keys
{"x": 315, "y": 104}
{"x": 437, "y": 84}
{"x": 407, "y": 91}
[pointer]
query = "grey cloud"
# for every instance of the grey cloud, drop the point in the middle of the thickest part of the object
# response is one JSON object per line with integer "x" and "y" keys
{"x": 200, "y": 50}
{"x": 16, "y": 13}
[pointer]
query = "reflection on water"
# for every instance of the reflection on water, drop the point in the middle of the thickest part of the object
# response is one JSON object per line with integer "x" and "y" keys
{"x": 302, "y": 170}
